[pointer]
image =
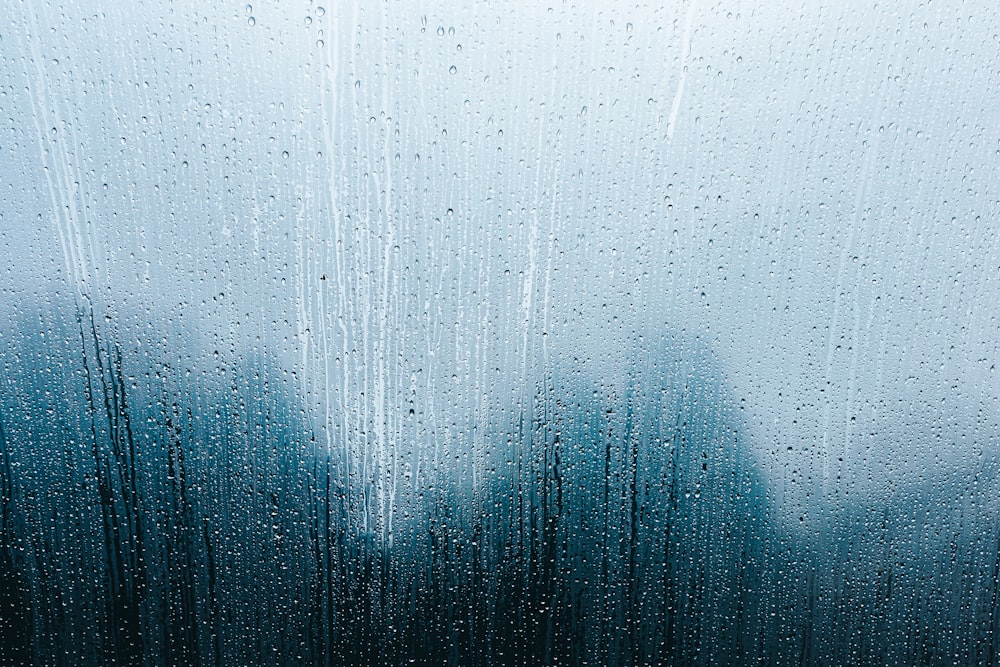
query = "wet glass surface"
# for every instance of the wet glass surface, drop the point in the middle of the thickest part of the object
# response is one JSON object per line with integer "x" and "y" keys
{"x": 469, "y": 334}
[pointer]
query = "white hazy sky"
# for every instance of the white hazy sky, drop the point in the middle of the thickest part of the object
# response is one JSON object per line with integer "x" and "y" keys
{"x": 399, "y": 200}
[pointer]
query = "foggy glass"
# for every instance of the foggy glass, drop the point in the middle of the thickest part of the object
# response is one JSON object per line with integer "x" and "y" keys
{"x": 476, "y": 334}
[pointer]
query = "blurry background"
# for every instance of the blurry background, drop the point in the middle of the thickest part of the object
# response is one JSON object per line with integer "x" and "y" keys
{"x": 475, "y": 334}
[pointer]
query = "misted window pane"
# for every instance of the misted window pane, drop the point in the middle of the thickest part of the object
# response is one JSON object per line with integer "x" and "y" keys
{"x": 388, "y": 333}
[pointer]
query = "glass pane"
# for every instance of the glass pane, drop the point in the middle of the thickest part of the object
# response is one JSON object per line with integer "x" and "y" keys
{"x": 465, "y": 334}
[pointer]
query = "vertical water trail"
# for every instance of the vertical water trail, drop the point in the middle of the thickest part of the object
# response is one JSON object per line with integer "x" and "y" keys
{"x": 65, "y": 213}
{"x": 675, "y": 106}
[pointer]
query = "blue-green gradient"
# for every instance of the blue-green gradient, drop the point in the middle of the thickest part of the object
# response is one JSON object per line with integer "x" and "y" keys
{"x": 546, "y": 334}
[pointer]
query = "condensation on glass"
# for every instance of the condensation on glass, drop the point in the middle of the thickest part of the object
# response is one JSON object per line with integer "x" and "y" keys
{"x": 467, "y": 334}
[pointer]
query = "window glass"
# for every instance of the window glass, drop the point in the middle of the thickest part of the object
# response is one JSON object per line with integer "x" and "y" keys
{"x": 464, "y": 333}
